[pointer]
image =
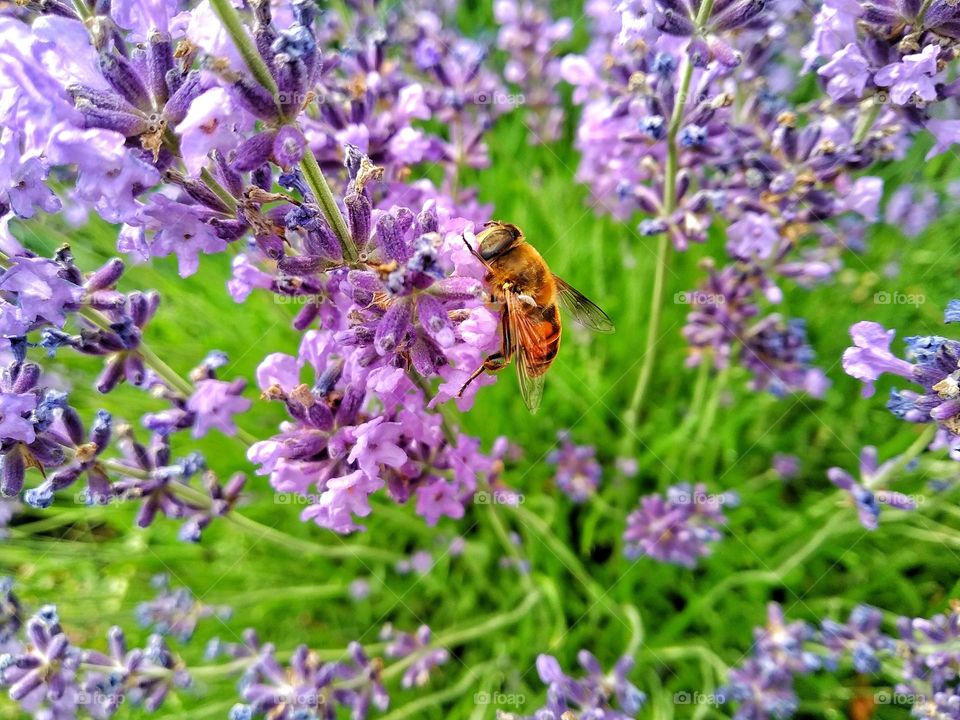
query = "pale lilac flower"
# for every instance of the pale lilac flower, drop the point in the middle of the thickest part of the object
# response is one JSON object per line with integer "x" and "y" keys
{"x": 865, "y": 495}
{"x": 864, "y": 196}
{"x": 677, "y": 527}
{"x": 42, "y": 292}
{"x": 946, "y": 133}
{"x": 215, "y": 402}
{"x": 578, "y": 472}
{"x": 15, "y": 419}
{"x": 752, "y": 236}
{"x": 870, "y": 356}
{"x": 848, "y": 73}
{"x": 912, "y": 78}
{"x": 437, "y": 499}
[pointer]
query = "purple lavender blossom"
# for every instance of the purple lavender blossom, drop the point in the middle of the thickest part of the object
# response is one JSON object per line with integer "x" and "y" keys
{"x": 309, "y": 687}
{"x": 786, "y": 466}
{"x": 597, "y": 694}
{"x": 678, "y": 527}
{"x": 578, "y": 472}
{"x": 934, "y": 368}
{"x": 402, "y": 645}
{"x": 860, "y": 636}
{"x": 175, "y": 611}
{"x": 865, "y": 494}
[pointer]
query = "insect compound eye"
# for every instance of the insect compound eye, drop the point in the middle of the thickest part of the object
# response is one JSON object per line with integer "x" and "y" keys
{"x": 496, "y": 240}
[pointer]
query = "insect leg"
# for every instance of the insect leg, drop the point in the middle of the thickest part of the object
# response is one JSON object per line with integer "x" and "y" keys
{"x": 493, "y": 363}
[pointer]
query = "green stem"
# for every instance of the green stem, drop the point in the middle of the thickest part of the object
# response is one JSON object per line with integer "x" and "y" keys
{"x": 241, "y": 39}
{"x": 420, "y": 705}
{"x": 488, "y": 626}
{"x": 632, "y": 415}
{"x": 219, "y": 190}
{"x": 320, "y": 188}
{"x": 562, "y": 551}
{"x": 866, "y": 122}
{"x": 769, "y": 577}
{"x": 917, "y": 447}
{"x": 636, "y": 630}
{"x": 168, "y": 374}
{"x": 297, "y": 545}
{"x": 82, "y": 10}
{"x": 509, "y": 547}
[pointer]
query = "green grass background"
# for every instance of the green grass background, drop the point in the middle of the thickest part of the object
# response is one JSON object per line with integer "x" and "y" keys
{"x": 96, "y": 566}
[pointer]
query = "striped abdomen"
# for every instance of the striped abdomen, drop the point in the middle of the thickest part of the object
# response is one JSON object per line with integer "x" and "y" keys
{"x": 544, "y": 324}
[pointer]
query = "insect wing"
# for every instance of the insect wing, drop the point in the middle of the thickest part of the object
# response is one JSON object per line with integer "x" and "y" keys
{"x": 581, "y": 308}
{"x": 523, "y": 336}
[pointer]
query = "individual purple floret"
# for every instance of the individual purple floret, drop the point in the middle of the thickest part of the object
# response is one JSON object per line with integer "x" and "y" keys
{"x": 578, "y": 472}
{"x": 761, "y": 694}
{"x": 597, "y": 694}
{"x": 309, "y": 687}
{"x": 860, "y": 637}
{"x": 866, "y": 494}
{"x": 782, "y": 646}
{"x": 141, "y": 677}
{"x": 401, "y": 645}
{"x": 678, "y": 527}
{"x": 27, "y": 436}
{"x": 175, "y": 611}
{"x": 932, "y": 364}
{"x": 42, "y": 670}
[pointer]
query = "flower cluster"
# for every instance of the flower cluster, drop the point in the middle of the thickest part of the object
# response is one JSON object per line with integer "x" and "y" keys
{"x": 686, "y": 120}
{"x": 175, "y": 611}
{"x": 530, "y": 36}
{"x": 677, "y": 527}
{"x": 932, "y": 364}
{"x": 921, "y": 657}
{"x": 222, "y": 137}
{"x": 763, "y": 684}
{"x": 867, "y": 495}
{"x": 49, "y": 676}
{"x": 598, "y": 694}
{"x": 578, "y": 472}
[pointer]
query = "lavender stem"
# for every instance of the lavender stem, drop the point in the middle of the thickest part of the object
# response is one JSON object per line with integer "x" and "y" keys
{"x": 321, "y": 190}
{"x": 241, "y": 39}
